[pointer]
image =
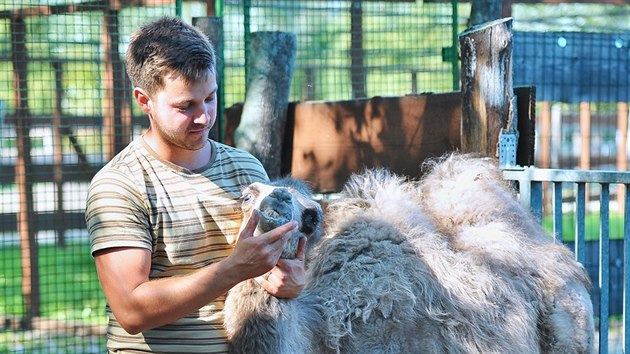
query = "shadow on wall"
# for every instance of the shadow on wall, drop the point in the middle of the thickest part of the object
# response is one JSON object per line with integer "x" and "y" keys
{"x": 325, "y": 142}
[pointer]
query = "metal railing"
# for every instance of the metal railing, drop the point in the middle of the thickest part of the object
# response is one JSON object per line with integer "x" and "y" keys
{"x": 531, "y": 192}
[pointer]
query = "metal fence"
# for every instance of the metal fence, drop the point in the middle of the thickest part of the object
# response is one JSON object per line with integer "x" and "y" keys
{"x": 349, "y": 49}
{"x": 62, "y": 97}
{"x": 602, "y": 268}
{"x": 65, "y": 110}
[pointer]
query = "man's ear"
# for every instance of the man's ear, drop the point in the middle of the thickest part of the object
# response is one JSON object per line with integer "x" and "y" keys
{"x": 143, "y": 99}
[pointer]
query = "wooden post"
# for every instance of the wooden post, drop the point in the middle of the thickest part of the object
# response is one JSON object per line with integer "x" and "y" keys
{"x": 526, "y": 123}
{"x": 23, "y": 171}
{"x": 545, "y": 147}
{"x": 117, "y": 109}
{"x": 622, "y": 146}
{"x": 486, "y": 79}
{"x": 58, "y": 152}
{"x": 211, "y": 8}
{"x": 212, "y": 27}
{"x": 545, "y": 134}
{"x": 556, "y": 136}
{"x": 262, "y": 126}
{"x": 585, "y": 142}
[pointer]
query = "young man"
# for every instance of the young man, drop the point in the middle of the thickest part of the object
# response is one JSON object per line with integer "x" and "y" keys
{"x": 163, "y": 215}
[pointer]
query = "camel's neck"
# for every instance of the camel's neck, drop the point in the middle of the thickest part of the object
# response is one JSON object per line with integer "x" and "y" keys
{"x": 257, "y": 321}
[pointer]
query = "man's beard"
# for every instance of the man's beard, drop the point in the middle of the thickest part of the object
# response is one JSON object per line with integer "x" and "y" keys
{"x": 178, "y": 138}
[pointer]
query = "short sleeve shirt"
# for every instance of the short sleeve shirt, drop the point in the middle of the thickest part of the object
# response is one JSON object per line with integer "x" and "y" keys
{"x": 187, "y": 219}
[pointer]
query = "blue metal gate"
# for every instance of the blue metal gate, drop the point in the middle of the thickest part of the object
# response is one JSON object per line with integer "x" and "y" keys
{"x": 530, "y": 183}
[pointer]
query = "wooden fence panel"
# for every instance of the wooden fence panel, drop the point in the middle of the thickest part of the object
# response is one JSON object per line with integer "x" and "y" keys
{"x": 333, "y": 139}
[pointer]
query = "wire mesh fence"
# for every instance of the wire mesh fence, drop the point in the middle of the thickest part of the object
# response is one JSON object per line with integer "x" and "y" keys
{"x": 66, "y": 109}
{"x": 62, "y": 85}
{"x": 348, "y": 49}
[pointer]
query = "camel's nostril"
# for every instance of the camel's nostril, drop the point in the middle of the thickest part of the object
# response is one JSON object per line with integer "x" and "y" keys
{"x": 270, "y": 213}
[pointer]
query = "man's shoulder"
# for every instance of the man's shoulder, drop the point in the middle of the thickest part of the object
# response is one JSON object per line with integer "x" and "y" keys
{"x": 234, "y": 154}
{"x": 231, "y": 150}
{"x": 235, "y": 162}
{"x": 123, "y": 164}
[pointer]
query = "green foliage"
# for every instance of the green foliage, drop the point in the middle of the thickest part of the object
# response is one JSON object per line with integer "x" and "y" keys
{"x": 399, "y": 39}
{"x": 69, "y": 291}
{"x": 6, "y": 88}
{"x": 604, "y": 18}
{"x": 40, "y": 94}
{"x": 591, "y": 226}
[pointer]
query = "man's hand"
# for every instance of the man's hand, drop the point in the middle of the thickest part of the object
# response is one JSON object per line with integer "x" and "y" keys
{"x": 254, "y": 256}
{"x": 288, "y": 277}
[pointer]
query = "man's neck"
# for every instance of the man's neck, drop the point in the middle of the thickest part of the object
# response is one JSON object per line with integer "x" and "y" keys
{"x": 189, "y": 159}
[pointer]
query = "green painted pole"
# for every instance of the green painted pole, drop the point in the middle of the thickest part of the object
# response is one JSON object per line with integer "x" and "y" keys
{"x": 178, "y": 8}
{"x": 454, "y": 45}
{"x": 247, "y": 4}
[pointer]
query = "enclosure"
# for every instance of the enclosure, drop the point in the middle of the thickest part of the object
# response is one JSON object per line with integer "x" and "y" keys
{"x": 66, "y": 109}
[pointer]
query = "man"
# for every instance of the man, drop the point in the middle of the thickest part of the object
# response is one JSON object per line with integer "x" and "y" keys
{"x": 163, "y": 215}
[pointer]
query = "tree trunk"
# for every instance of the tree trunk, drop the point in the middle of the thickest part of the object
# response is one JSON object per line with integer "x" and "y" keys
{"x": 262, "y": 126}
{"x": 212, "y": 27}
{"x": 487, "y": 94}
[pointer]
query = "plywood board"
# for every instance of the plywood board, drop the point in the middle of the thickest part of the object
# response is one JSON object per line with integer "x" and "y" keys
{"x": 331, "y": 140}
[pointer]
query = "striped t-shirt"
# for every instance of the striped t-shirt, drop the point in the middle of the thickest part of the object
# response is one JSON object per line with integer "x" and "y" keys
{"x": 188, "y": 219}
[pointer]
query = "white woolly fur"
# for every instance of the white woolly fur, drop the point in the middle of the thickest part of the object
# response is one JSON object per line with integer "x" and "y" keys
{"x": 450, "y": 263}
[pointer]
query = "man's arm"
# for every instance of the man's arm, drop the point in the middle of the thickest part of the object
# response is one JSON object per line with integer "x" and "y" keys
{"x": 140, "y": 304}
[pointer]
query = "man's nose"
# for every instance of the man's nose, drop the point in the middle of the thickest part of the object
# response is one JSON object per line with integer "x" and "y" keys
{"x": 202, "y": 118}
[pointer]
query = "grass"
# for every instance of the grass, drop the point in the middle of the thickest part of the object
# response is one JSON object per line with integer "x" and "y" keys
{"x": 53, "y": 343}
{"x": 69, "y": 291}
{"x": 591, "y": 226}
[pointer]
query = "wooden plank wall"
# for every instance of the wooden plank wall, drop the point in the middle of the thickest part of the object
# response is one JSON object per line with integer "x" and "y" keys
{"x": 327, "y": 141}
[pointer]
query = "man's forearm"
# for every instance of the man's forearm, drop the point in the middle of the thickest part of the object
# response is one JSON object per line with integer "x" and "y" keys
{"x": 140, "y": 304}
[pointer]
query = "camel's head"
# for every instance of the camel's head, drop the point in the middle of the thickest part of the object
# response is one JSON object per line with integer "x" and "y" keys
{"x": 280, "y": 202}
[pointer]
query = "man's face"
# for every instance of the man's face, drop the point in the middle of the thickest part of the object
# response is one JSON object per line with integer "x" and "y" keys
{"x": 182, "y": 113}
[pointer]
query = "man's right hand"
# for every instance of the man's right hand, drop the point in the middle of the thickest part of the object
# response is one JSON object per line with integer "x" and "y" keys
{"x": 255, "y": 256}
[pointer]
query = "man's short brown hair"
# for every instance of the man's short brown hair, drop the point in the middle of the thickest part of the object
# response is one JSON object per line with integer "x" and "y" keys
{"x": 168, "y": 46}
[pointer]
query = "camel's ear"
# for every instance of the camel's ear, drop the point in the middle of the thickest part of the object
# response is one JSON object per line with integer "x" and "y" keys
{"x": 311, "y": 219}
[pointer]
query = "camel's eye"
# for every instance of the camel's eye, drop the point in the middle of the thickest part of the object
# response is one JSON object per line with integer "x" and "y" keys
{"x": 247, "y": 197}
{"x": 310, "y": 220}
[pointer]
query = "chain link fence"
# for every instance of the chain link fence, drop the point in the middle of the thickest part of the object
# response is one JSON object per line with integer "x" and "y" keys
{"x": 66, "y": 109}
{"x": 349, "y": 49}
{"x": 64, "y": 101}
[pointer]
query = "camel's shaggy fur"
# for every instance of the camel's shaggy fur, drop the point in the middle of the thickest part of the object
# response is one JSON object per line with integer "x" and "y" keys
{"x": 471, "y": 203}
{"x": 400, "y": 271}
